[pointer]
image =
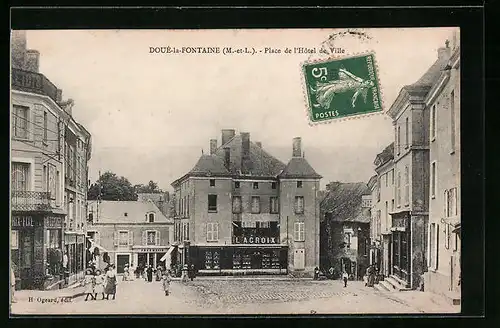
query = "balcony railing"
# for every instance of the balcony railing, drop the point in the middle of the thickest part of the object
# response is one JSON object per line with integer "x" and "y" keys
{"x": 33, "y": 82}
{"x": 30, "y": 200}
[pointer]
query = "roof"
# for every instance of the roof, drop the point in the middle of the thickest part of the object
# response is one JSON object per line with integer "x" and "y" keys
{"x": 260, "y": 162}
{"x": 155, "y": 197}
{"x": 385, "y": 156}
{"x": 114, "y": 212}
{"x": 343, "y": 203}
{"x": 298, "y": 167}
{"x": 209, "y": 165}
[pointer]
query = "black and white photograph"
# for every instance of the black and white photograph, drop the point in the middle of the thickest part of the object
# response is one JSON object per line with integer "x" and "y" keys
{"x": 235, "y": 171}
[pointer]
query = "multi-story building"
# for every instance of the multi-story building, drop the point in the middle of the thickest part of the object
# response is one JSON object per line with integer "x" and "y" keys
{"x": 129, "y": 232}
{"x": 443, "y": 103}
{"x": 345, "y": 228}
{"x": 241, "y": 210}
{"x": 383, "y": 206}
{"x": 38, "y": 165}
{"x": 77, "y": 149}
{"x": 411, "y": 120}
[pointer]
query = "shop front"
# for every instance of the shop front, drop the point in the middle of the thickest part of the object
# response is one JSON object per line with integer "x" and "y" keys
{"x": 36, "y": 249}
{"x": 143, "y": 256}
{"x": 400, "y": 246}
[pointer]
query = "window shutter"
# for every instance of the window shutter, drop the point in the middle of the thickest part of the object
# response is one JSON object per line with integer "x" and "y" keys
{"x": 130, "y": 238}
{"x": 295, "y": 232}
{"x": 157, "y": 236}
{"x": 216, "y": 231}
{"x": 115, "y": 238}
{"x": 144, "y": 238}
{"x": 97, "y": 238}
{"x": 209, "y": 231}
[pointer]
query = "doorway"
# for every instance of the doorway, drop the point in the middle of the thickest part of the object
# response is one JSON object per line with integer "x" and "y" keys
{"x": 121, "y": 260}
{"x": 299, "y": 259}
{"x": 26, "y": 258}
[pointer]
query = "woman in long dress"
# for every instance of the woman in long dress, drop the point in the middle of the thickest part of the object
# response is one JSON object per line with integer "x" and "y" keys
{"x": 131, "y": 275}
{"x": 165, "y": 280}
{"x": 149, "y": 272}
{"x": 100, "y": 279}
{"x": 110, "y": 288}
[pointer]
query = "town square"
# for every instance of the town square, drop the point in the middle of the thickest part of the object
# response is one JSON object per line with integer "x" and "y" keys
{"x": 321, "y": 180}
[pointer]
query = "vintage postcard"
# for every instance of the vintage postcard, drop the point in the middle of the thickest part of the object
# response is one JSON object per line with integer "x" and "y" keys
{"x": 246, "y": 171}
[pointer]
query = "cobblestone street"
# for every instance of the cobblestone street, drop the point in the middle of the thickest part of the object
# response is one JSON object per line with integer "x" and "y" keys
{"x": 229, "y": 296}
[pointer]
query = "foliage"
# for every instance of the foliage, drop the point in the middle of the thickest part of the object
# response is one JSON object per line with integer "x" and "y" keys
{"x": 112, "y": 187}
{"x": 150, "y": 188}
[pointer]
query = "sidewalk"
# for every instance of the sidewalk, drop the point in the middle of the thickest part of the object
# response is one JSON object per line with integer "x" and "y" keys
{"x": 425, "y": 302}
{"x": 72, "y": 291}
{"x": 268, "y": 278}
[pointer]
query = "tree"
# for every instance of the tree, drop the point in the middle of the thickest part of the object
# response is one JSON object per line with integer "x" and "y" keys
{"x": 112, "y": 187}
{"x": 150, "y": 188}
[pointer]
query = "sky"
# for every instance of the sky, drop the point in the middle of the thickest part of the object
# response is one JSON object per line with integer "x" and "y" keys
{"x": 151, "y": 115}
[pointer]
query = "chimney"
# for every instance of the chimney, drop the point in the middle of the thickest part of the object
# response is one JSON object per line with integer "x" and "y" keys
{"x": 18, "y": 50}
{"x": 32, "y": 61}
{"x": 213, "y": 146}
{"x": 297, "y": 147}
{"x": 227, "y": 134}
{"x": 245, "y": 152}
{"x": 227, "y": 157}
{"x": 259, "y": 144}
{"x": 59, "y": 95}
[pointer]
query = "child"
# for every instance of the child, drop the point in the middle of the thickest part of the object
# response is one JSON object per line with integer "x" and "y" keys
{"x": 345, "y": 277}
{"x": 125, "y": 273}
{"x": 99, "y": 284}
{"x": 165, "y": 280}
{"x": 88, "y": 282}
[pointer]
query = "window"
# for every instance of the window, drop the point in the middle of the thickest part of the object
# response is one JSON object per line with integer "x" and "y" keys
{"x": 398, "y": 140}
{"x": 152, "y": 238}
{"x": 14, "y": 239}
{"x": 273, "y": 185}
{"x": 255, "y": 204}
{"x": 433, "y": 179}
{"x": 125, "y": 214}
{"x": 379, "y": 222}
{"x": 433, "y": 123}
{"x": 236, "y": 184}
{"x": 386, "y": 179}
{"x": 366, "y": 202}
{"x": 45, "y": 122}
{"x": 123, "y": 238}
{"x": 386, "y": 216}
{"x": 451, "y": 202}
{"x": 392, "y": 205}
{"x": 52, "y": 181}
{"x": 45, "y": 180}
{"x": 299, "y": 232}
{"x": 407, "y": 132}
{"x": 212, "y": 231}
{"x": 255, "y": 185}
{"x": 378, "y": 189}
{"x": 273, "y": 205}
{"x": 151, "y": 217}
{"x": 433, "y": 246}
{"x": 447, "y": 236}
{"x": 299, "y": 184}
{"x": 299, "y": 204}
{"x": 347, "y": 239}
{"x": 187, "y": 206}
{"x": 212, "y": 203}
{"x": 392, "y": 177}
{"x": 236, "y": 204}
{"x": 407, "y": 186}
{"x": 58, "y": 186}
{"x": 20, "y": 121}
{"x": 20, "y": 176}
{"x": 452, "y": 121}
{"x": 212, "y": 182}
{"x": 398, "y": 189}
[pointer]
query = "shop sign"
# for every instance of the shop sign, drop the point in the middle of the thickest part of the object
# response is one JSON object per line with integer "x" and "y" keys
{"x": 24, "y": 221}
{"x": 255, "y": 240}
{"x": 53, "y": 222}
{"x": 151, "y": 250}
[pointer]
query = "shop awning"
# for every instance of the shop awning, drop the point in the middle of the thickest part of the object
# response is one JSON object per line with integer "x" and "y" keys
{"x": 167, "y": 254}
{"x": 456, "y": 228}
{"x": 94, "y": 245}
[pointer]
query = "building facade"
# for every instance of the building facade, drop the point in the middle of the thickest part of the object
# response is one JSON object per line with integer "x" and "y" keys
{"x": 161, "y": 200}
{"x": 383, "y": 205}
{"x": 411, "y": 169}
{"x": 128, "y": 232}
{"x": 345, "y": 228}
{"x": 443, "y": 257}
{"x": 38, "y": 165}
{"x": 241, "y": 210}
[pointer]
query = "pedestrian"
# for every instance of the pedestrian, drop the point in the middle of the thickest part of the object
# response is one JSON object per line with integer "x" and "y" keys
{"x": 99, "y": 283}
{"x": 125, "y": 272}
{"x": 65, "y": 267}
{"x": 131, "y": 275}
{"x": 149, "y": 273}
{"x": 316, "y": 273}
{"x": 185, "y": 273}
{"x": 110, "y": 288}
{"x": 89, "y": 283}
{"x": 12, "y": 285}
{"x": 166, "y": 279}
{"x": 158, "y": 273}
{"x": 371, "y": 276}
{"x": 345, "y": 277}
{"x": 192, "y": 272}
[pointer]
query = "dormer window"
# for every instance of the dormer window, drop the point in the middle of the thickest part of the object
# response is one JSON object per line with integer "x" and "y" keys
{"x": 125, "y": 214}
{"x": 255, "y": 185}
{"x": 151, "y": 217}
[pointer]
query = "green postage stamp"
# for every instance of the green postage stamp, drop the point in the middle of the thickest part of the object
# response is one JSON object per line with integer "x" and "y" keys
{"x": 342, "y": 87}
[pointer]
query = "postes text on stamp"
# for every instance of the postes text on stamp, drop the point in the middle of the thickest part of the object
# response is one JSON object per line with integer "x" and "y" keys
{"x": 342, "y": 87}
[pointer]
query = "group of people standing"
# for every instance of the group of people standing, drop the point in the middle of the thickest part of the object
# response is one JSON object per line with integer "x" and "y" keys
{"x": 97, "y": 282}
